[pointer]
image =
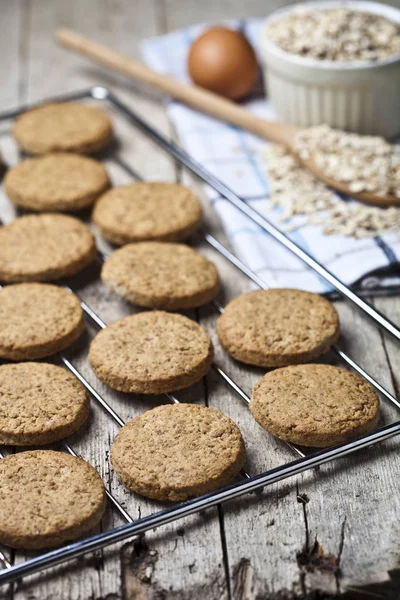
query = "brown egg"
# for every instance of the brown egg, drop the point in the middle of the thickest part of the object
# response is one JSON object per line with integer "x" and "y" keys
{"x": 222, "y": 60}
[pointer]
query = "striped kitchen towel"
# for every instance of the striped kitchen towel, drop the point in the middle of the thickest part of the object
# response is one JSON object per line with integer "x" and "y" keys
{"x": 235, "y": 157}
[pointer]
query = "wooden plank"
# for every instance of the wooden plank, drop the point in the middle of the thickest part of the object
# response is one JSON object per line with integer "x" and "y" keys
{"x": 10, "y": 47}
{"x": 353, "y": 504}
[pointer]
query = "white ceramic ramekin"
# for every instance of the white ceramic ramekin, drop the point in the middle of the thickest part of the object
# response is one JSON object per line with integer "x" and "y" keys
{"x": 358, "y": 96}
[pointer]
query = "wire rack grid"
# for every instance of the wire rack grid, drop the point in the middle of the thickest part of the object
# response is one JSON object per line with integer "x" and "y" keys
{"x": 247, "y": 483}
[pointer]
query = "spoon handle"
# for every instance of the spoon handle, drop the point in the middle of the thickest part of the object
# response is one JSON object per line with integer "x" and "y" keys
{"x": 194, "y": 96}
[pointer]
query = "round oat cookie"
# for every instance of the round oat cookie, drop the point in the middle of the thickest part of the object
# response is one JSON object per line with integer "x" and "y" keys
{"x": 58, "y": 182}
{"x": 63, "y": 127}
{"x": 178, "y": 451}
{"x": 37, "y": 320}
{"x": 47, "y": 498}
{"x": 147, "y": 211}
{"x": 44, "y": 248}
{"x": 151, "y": 353}
{"x": 161, "y": 275}
{"x": 39, "y": 404}
{"x": 314, "y": 405}
{"x": 278, "y": 327}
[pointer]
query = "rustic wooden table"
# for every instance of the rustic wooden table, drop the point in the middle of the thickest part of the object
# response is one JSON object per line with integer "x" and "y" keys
{"x": 331, "y": 531}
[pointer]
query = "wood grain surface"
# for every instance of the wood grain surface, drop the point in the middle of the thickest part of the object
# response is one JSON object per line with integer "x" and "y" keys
{"x": 327, "y": 532}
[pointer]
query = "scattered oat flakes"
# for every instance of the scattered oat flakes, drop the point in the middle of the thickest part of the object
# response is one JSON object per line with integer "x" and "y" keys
{"x": 364, "y": 163}
{"x": 336, "y": 34}
{"x": 301, "y": 195}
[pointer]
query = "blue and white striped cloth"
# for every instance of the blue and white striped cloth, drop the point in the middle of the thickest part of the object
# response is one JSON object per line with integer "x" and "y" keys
{"x": 234, "y": 156}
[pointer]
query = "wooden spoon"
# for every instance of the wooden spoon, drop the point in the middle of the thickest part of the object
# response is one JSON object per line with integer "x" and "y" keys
{"x": 210, "y": 103}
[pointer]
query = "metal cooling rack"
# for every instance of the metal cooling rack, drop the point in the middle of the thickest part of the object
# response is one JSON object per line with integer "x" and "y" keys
{"x": 248, "y": 483}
